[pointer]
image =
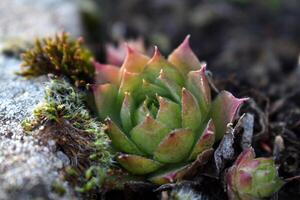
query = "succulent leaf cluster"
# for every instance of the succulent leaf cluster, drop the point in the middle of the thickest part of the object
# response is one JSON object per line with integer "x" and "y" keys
{"x": 159, "y": 113}
{"x": 59, "y": 55}
{"x": 252, "y": 178}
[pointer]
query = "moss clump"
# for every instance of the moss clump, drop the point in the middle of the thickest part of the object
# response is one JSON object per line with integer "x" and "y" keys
{"x": 59, "y": 55}
{"x": 66, "y": 120}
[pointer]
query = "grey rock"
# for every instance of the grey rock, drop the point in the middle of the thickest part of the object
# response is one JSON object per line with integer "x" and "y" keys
{"x": 27, "y": 168}
{"x": 25, "y": 19}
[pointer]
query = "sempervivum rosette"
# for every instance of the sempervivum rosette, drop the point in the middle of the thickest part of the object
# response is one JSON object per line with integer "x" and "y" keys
{"x": 252, "y": 178}
{"x": 159, "y": 114}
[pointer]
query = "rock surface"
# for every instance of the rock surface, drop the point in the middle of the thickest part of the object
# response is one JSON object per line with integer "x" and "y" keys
{"x": 29, "y": 169}
{"x": 26, "y": 19}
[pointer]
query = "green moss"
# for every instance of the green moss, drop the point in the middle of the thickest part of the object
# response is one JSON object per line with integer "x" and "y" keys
{"x": 68, "y": 122}
{"x": 62, "y": 101}
{"x": 58, "y": 188}
{"x": 59, "y": 55}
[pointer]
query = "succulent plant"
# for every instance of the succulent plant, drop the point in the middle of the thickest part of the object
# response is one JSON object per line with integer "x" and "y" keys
{"x": 252, "y": 178}
{"x": 59, "y": 55}
{"x": 158, "y": 113}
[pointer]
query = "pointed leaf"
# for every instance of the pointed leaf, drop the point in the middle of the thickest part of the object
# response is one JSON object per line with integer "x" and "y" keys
{"x": 169, "y": 113}
{"x": 120, "y": 140}
{"x": 223, "y": 110}
{"x": 153, "y": 110}
{"x": 106, "y": 100}
{"x": 148, "y": 134}
{"x": 205, "y": 141}
{"x": 175, "y": 147}
{"x": 167, "y": 175}
{"x": 134, "y": 61}
{"x": 151, "y": 90}
{"x": 198, "y": 85}
{"x": 106, "y": 73}
{"x": 184, "y": 58}
{"x": 126, "y": 112}
{"x": 245, "y": 156}
{"x": 130, "y": 82}
{"x": 191, "y": 115}
{"x": 141, "y": 113}
{"x": 173, "y": 88}
{"x": 137, "y": 164}
{"x": 158, "y": 63}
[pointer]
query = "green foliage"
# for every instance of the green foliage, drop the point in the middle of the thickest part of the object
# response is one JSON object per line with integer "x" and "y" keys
{"x": 64, "y": 101}
{"x": 60, "y": 56}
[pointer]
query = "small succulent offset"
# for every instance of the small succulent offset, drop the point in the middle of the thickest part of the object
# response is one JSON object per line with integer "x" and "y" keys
{"x": 159, "y": 113}
{"x": 59, "y": 55}
{"x": 252, "y": 178}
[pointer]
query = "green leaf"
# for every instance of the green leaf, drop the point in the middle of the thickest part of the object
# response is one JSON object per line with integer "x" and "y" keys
{"x": 191, "y": 115}
{"x": 169, "y": 113}
{"x": 141, "y": 113}
{"x": 126, "y": 112}
{"x": 158, "y": 63}
{"x": 198, "y": 85}
{"x": 151, "y": 90}
{"x": 148, "y": 134}
{"x": 175, "y": 147}
{"x": 130, "y": 82}
{"x": 137, "y": 164}
{"x": 173, "y": 88}
{"x": 120, "y": 140}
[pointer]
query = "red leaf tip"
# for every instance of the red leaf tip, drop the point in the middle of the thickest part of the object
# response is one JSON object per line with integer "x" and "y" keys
{"x": 156, "y": 55}
{"x": 203, "y": 68}
{"x": 186, "y": 42}
{"x": 129, "y": 49}
{"x": 245, "y": 156}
